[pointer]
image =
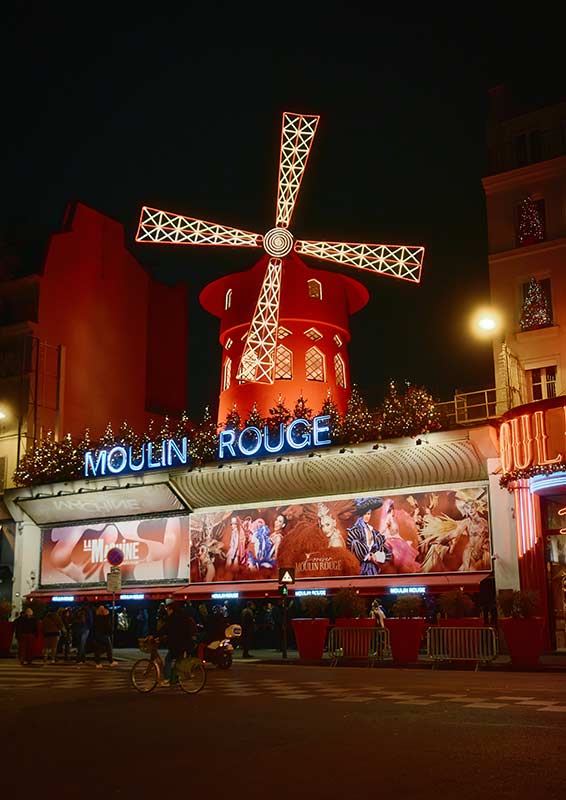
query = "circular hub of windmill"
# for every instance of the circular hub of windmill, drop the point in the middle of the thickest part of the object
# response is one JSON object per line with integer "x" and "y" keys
{"x": 278, "y": 242}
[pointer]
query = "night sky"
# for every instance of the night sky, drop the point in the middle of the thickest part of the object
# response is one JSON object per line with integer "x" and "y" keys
{"x": 181, "y": 109}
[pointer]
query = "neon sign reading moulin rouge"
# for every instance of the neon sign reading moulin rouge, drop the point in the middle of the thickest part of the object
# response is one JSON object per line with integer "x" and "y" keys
{"x": 120, "y": 459}
{"x": 299, "y": 434}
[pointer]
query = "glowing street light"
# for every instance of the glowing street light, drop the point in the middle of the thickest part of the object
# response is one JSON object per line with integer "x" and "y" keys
{"x": 486, "y": 322}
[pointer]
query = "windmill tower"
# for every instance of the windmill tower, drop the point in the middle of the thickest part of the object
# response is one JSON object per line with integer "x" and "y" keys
{"x": 284, "y": 326}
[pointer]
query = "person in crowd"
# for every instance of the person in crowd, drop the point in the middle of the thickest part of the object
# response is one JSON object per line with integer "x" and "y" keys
{"x": 51, "y": 627}
{"x": 247, "y": 621}
{"x": 122, "y": 627}
{"x": 377, "y": 613}
{"x": 26, "y": 630}
{"x": 367, "y": 544}
{"x": 102, "y": 633}
{"x": 142, "y": 623}
{"x": 82, "y": 627}
{"x": 179, "y": 631}
{"x": 66, "y": 637}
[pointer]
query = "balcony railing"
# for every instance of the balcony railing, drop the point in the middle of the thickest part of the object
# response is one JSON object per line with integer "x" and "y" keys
{"x": 473, "y": 408}
{"x": 528, "y": 148}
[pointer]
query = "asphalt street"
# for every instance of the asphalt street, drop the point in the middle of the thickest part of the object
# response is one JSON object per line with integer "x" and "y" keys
{"x": 283, "y": 730}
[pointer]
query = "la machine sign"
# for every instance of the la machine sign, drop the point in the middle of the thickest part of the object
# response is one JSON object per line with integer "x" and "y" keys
{"x": 300, "y": 434}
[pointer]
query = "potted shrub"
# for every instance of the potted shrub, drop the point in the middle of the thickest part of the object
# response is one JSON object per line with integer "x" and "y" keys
{"x": 310, "y": 631}
{"x": 350, "y": 609}
{"x": 522, "y": 628}
{"x": 406, "y": 628}
{"x": 457, "y": 609}
{"x": 6, "y": 628}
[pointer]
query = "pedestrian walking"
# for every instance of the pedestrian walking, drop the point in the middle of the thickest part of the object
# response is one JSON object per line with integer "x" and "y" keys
{"x": 82, "y": 628}
{"x": 102, "y": 633}
{"x": 51, "y": 627}
{"x": 248, "y": 621}
{"x": 26, "y": 633}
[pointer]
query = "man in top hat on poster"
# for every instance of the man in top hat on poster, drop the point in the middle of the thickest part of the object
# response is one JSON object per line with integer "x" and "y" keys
{"x": 367, "y": 544}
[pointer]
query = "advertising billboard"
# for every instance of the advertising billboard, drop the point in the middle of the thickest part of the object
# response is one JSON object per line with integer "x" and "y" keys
{"x": 155, "y": 550}
{"x": 393, "y": 534}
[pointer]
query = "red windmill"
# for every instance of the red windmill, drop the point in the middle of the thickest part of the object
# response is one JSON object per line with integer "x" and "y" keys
{"x": 284, "y": 326}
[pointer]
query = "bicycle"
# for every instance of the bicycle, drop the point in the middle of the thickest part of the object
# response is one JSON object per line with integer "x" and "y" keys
{"x": 145, "y": 675}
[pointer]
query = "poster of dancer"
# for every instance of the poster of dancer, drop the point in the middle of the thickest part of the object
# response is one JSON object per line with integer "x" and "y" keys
{"x": 398, "y": 534}
{"x": 154, "y": 550}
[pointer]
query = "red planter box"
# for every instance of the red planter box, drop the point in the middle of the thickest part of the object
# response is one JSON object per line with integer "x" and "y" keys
{"x": 464, "y": 622}
{"x": 525, "y": 640}
{"x": 310, "y": 635}
{"x": 405, "y": 635}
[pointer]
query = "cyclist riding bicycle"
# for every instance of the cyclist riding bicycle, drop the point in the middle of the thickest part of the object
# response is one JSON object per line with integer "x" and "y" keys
{"x": 180, "y": 631}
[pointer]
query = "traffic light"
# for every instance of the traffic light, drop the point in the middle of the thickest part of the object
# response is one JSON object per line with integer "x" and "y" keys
{"x": 283, "y": 589}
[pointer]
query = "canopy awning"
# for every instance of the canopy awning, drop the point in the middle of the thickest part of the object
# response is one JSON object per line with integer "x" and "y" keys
{"x": 349, "y": 471}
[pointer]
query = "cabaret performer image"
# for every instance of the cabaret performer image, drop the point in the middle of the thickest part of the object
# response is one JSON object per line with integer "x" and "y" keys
{"x": 367, "y": 544}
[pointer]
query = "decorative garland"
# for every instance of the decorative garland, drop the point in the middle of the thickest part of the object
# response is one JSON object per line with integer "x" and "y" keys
{"x": 529, "y": 472}
{"x": 411, "y": 413}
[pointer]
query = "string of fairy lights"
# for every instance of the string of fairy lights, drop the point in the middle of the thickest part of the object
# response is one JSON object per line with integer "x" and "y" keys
{"x": 406, "y": 411}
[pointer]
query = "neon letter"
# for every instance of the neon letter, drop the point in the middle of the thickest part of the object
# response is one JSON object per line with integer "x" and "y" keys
{"x": 151, "y": 464}
{"x": 321, "y": 426}
{"x": 255, "y": 447}
{"x": 279, "y": 444}
{"x": 505, "y": 447}
{"x": 122, "y": 461}
{"x": 131, "y": 464}
{"x": 227, "y": 439}
{"x": 94, "y": 466}
{"x": 179, "y": 453}
{"x": 541, "y": 439}
{"x": 522, "y": 441}
{"x": 305, "y": 439}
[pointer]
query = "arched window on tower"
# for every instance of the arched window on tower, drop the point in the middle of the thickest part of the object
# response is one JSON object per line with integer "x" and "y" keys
{"x": 228, "y": 300}
{"x": 314, "y": 364}
{"x": 315, "y": 289}
{"x": 226, "y": 374}
{"x": 283, "y": 363}
{"x": 340, "y": 371}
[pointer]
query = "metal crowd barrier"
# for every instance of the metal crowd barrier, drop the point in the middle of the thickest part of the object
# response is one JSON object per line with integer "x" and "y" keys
{"x": 369, "y": 644}
{"x": 461, "y": 644}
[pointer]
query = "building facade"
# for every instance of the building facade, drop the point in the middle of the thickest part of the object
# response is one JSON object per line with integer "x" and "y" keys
{"x": 526, "y": 214}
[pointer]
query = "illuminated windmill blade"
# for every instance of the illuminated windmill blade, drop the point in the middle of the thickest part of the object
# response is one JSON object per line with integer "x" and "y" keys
{"x": 397, "y": 260}
{"x": 160, "y": 226}
{"x": 296, "y": 140}
{"x": 258, "y": 359}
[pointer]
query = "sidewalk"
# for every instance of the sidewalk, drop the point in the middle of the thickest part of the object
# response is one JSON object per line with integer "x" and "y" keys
{"x": 550, "y": 662}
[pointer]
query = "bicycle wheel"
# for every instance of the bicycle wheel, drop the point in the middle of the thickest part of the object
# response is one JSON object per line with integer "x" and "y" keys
{"x": 144, "y": 675}
{"x": 191, "y": 674}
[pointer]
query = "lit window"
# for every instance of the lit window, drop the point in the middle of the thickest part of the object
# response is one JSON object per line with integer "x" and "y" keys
{"x": 283, "y": 363}
{"x": 313, "y": 334}
{"x": 228, "y": 300}
{"x": 314, "y": 364}
{"x": 227, "y": 374}
{"x": 228, "y": 344}
{"x": 282, "y": 332}
{"x": 315, "y": 289}
{"x": 542, "y": 382}
{"x": 340, "y": 371}
{"x": 338, "y": 341}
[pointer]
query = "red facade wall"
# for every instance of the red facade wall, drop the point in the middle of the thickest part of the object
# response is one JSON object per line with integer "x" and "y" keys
{"x": 98, "y": 302}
